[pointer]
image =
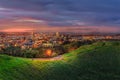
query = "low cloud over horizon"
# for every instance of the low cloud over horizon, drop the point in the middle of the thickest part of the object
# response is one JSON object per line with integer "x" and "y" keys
{"x": 60, "y": 15}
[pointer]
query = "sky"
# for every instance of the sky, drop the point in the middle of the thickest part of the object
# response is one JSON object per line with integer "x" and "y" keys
{"x": 60, "y": 16}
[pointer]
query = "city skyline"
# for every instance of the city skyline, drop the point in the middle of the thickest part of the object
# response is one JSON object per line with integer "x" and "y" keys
{"x": 63, "y": 16}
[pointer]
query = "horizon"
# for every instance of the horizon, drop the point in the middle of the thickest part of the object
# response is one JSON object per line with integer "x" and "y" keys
{"x": 79, "y": 33}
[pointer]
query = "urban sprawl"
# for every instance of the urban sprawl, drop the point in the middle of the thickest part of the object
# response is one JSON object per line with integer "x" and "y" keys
{"x": 36, "y": 39}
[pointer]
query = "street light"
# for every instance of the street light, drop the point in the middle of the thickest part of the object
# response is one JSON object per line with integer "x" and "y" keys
{"x": 48, "y": 52}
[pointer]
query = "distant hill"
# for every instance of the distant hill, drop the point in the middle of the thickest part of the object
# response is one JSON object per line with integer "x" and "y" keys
{"x": 99, "y": 61}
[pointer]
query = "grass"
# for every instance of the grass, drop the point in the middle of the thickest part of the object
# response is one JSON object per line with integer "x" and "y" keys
{"x": 99, "y": 61}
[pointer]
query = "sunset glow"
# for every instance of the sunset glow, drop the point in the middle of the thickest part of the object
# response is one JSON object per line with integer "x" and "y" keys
{"x": 51, "y": 16}
{"x": 17, "y": 30}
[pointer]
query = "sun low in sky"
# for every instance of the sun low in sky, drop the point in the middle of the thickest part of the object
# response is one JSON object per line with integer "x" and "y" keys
{"x": 60, "y": 15}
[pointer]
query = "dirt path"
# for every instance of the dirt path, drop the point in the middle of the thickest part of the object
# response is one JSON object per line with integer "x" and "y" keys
{"x": 49, "y": 59}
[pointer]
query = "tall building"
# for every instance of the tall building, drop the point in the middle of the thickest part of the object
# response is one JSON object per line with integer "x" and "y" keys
{"x": 32, "y": 35}
{"x": 57, "y": 34}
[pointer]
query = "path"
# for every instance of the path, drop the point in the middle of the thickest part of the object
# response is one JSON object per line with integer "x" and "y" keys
{"x": 49, "y": 59}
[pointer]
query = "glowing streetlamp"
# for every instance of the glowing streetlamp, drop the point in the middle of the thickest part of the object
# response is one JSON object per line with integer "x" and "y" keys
{"x": 48, "y": 52}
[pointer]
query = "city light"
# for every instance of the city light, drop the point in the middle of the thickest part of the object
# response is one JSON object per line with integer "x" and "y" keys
{"x": 48, "y": 52}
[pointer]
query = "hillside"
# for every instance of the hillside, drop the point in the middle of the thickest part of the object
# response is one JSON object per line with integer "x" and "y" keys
{"x": 99, "y": 61}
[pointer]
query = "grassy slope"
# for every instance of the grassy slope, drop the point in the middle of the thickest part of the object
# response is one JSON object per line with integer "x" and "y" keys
{"x": 90, "y": 62}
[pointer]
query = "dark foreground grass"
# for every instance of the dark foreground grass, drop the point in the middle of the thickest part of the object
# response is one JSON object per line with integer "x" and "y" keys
{"x": 99, "y": 61}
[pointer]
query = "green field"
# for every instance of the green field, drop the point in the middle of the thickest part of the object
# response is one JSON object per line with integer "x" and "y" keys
{"x": 99, "y": 61}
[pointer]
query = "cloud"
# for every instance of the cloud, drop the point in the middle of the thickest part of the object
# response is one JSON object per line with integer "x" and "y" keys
{"x": 63, "y": 12}
{"x": 3, "y": 9}
{"x": 29, "y": 20}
